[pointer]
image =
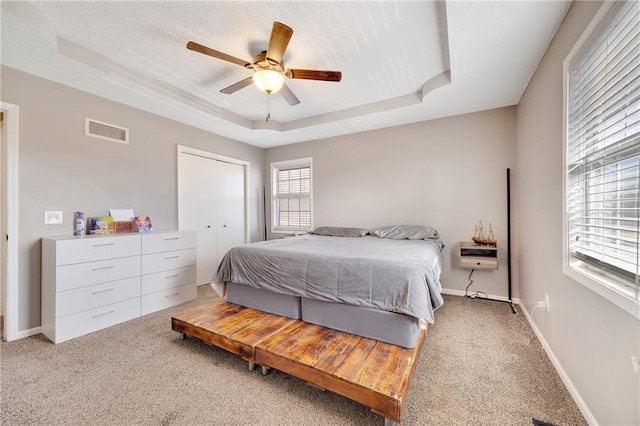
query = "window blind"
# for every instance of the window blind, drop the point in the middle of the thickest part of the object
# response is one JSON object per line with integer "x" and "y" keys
{"x": 292, "y": 197}
{"x": 603, "y": 149}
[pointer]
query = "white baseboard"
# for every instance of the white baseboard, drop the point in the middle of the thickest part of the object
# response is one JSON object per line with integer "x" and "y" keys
{"x": 27, "y": 333}
{"x": 588, "y": 415}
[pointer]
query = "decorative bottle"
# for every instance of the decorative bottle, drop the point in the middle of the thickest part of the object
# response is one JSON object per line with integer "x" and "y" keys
{"x": 78, "y": 224}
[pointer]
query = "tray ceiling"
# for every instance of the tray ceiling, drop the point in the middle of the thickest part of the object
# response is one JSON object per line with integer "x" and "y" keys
{"x": 401, "y": 62}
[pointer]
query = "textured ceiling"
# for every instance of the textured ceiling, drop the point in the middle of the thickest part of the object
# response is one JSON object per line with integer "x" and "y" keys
{"x": 401, "y": 62}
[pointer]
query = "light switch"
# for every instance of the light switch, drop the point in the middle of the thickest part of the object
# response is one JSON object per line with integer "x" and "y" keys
{"x": 52, "y": 218}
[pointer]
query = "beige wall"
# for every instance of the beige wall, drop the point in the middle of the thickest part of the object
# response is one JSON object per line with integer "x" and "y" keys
{"x": 446, "y": 173}
{"x": 2, "y": 244}
{"x": 592, "y": 338}
{"x": 62, "y": 169}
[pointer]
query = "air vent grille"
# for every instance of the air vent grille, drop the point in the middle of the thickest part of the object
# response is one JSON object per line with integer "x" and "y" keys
{"x": 106, "y": 131}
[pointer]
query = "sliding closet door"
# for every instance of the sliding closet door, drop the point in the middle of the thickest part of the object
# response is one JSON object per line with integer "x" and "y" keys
{"x": 231, "y": 214}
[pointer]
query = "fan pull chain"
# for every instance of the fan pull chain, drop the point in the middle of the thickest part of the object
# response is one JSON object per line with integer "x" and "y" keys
{"x": 268, "y": 106}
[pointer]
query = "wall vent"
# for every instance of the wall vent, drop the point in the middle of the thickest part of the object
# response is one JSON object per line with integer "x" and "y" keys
{"x": 98, "y": 129}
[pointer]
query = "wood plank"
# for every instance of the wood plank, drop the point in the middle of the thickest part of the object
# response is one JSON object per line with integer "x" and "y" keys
{"x": 234, "y": 323}
{"x": 325, "y": 343}
{"x": 350, "y": 366}
{"x": 209, "y": 312}
{"x": 382, "y": 363}
{"x": 334, "y": 358}
{"x": 273, "y": 342}
{"x": 300, "y": 342}
{"x": 262, "y": 328}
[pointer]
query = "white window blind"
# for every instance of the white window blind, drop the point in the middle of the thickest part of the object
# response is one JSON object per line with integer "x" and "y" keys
{"x": 603, "y": 150}
{"x": 291, "y": 195}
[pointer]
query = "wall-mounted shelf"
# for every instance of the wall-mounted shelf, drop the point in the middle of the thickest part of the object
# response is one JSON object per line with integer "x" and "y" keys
{"x": 475, "y": 256}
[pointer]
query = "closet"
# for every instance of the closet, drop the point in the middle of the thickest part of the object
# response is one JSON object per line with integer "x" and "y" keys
{"x": 211, "y": 197}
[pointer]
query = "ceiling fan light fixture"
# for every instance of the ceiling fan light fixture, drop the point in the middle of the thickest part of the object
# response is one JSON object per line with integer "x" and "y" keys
{"x": 268, "y": 81}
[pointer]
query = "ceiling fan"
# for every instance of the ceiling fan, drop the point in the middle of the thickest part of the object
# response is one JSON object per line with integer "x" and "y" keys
{"x": 268, "y": 67}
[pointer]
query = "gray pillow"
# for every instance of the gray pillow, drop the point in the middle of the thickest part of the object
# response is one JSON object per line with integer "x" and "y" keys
{"x": 407, "y": 232}
{"x": 335, "y": 231}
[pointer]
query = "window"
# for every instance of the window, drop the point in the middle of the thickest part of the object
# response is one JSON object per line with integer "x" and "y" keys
{"x": 603, "y": 152}
{"x": 291, "y": 201}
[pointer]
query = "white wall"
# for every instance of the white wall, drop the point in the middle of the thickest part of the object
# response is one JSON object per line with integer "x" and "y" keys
{"x": 446, "y": 173}
{"x": 62, "y": 169}
{"x": 592, "y": 338}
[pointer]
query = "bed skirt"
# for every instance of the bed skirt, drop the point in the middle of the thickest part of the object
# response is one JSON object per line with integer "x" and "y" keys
{"x": 388, "y": 327}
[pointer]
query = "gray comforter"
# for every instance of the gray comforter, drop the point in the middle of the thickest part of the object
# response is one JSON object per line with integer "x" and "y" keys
{"x": 393, "y": 275}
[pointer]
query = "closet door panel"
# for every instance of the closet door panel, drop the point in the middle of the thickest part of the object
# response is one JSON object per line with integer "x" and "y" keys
{"x": 231, "y": 214}
{"x": 189, "y": 193}
{"x": 207, "y": 251}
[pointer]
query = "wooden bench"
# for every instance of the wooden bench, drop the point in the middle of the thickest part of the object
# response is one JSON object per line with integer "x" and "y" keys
{"x": 375, "y": 374}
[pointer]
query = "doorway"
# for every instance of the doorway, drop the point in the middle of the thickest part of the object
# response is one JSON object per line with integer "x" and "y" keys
{"x": 9, "y": 221}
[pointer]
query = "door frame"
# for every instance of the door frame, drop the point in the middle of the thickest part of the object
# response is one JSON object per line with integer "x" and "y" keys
{"x": 9, "y": 223}
{"x": 187, "y": 150}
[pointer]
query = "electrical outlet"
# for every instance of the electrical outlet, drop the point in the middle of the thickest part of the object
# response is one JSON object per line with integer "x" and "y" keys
{"x": 546, "y": 301}
{"x": 52, "y": 218}
{"x": 636, "y": 364}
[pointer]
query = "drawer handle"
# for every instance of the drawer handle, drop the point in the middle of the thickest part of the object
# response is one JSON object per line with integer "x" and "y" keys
{"x": 171, "y": 257}
{"x": 102, "y": 245}
{"x": 172, "y": 238}
{"x": 172, "y": 276}
{"x": 103, "y": 291}
{"x": 103, "y": 267}
{"x": 101, "y": 315}
{"x": 171, "y": 295}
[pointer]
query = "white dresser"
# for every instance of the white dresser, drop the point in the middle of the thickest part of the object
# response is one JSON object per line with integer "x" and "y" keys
{"x": 168, "y": 269}
{"x": 94, "y": 281}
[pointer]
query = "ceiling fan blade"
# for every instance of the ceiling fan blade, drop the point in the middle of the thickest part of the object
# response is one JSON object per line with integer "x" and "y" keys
{"x": 315, "y": 75}
{"x": 280, "y": 36}
{"x": 237, "y": 86}
{"x": 289, "y": 96}
{"x": 208, "y": 51}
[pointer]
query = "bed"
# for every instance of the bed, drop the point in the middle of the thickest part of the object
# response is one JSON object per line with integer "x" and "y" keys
{"x": 382, "y": 286}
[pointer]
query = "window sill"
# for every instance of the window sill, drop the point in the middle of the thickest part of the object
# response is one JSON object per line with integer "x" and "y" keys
{"x": 290, "y": 231}
{"x": 615, "y": 292}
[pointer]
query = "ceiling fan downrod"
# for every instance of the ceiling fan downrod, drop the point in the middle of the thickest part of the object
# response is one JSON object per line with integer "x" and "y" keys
{"x": 268, "y": 107}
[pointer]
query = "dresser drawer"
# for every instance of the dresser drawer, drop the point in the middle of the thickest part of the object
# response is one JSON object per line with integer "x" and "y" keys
{"x": 168, "y": 241}
{"x": 478, "y": 263}
{"x": 158, "y": 262}
{"x": 95, "y": 319}
{"x": 91, "y": 297}
{"x": 167, "y": 298}
{"x": 85, "y": 274}
{"x": 168, "y": 279}
{"x": 88, "y": 249}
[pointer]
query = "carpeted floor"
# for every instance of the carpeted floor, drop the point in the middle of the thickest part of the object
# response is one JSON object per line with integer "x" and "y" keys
{"x": 478, "y": 367}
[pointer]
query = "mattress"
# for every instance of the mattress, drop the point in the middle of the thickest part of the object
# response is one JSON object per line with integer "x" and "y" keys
{"x": 399, "y": 276}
